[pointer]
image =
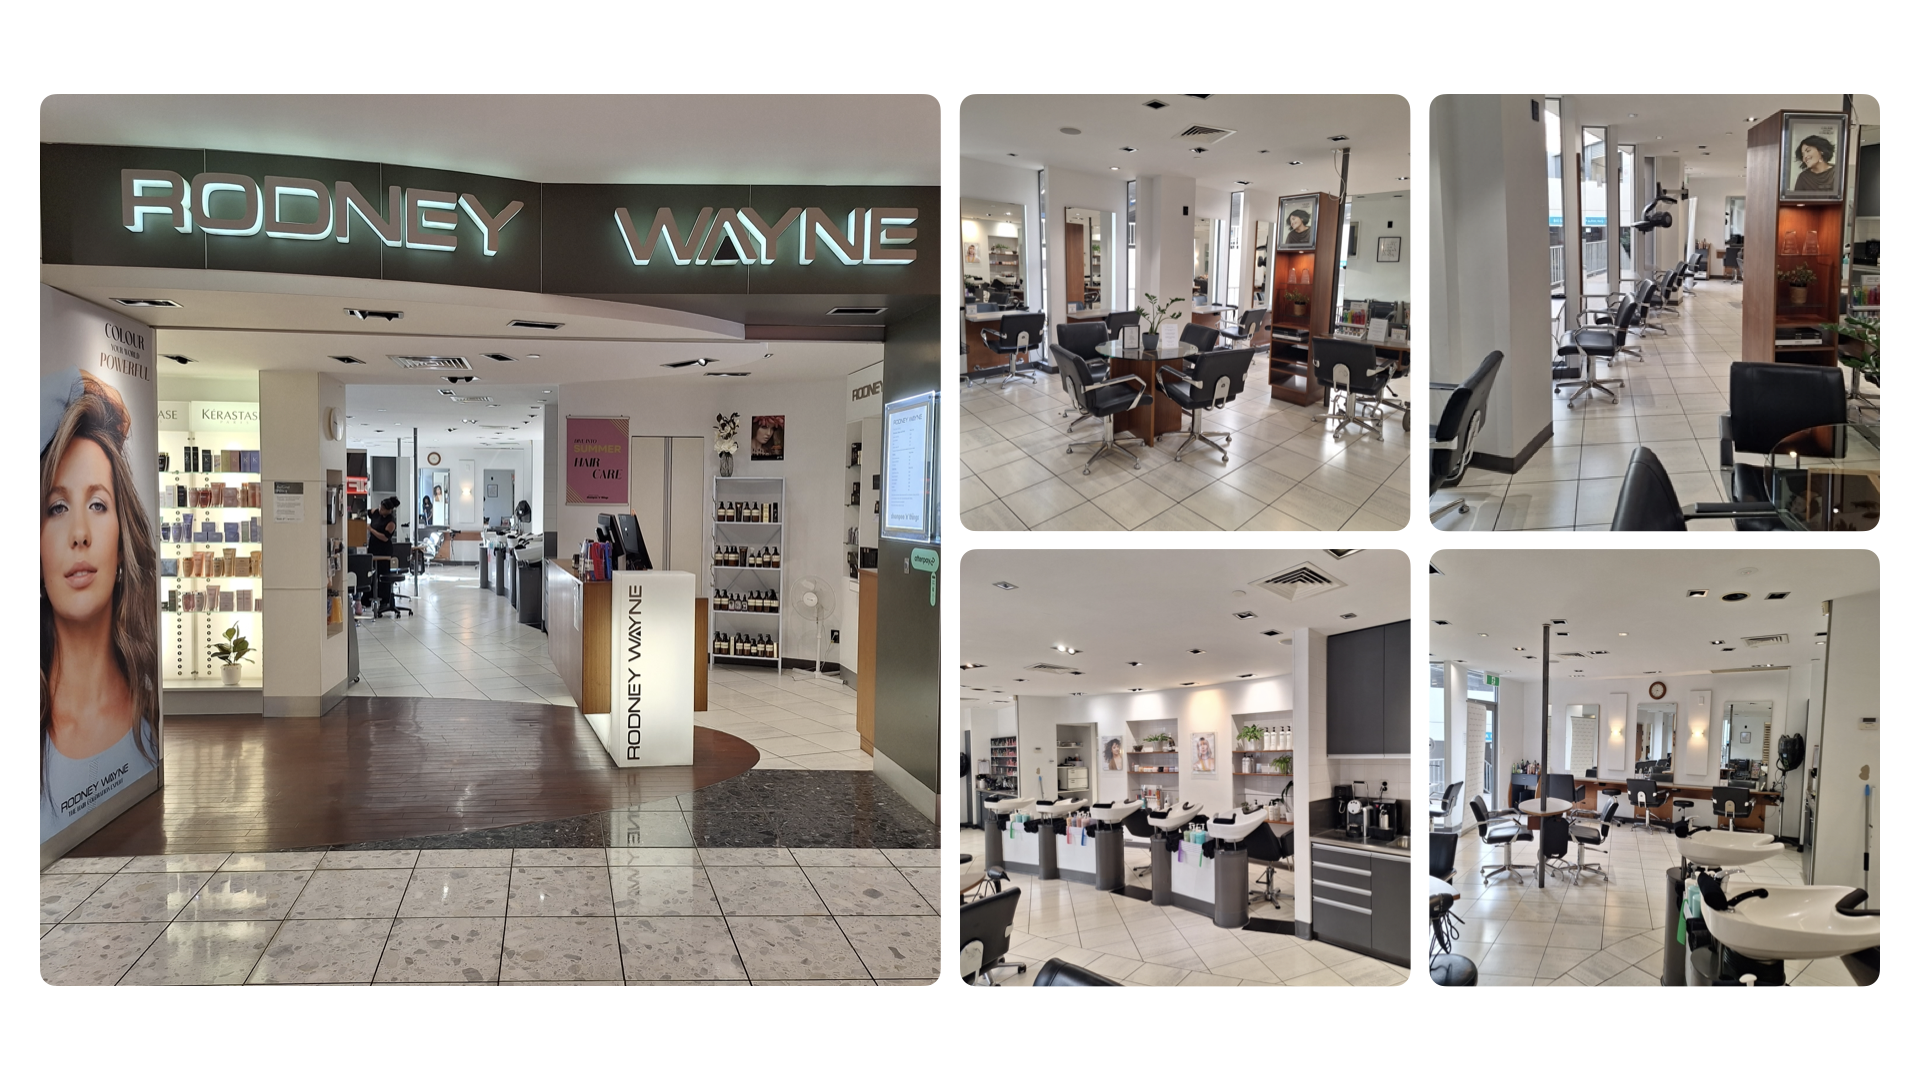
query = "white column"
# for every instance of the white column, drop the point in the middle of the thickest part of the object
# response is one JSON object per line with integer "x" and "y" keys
{"x": 1311, "y": 776}
{"x": 304, "y": 670}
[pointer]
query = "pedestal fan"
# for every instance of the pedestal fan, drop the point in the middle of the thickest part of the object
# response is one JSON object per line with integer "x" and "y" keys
{"x": 816, "y": 600}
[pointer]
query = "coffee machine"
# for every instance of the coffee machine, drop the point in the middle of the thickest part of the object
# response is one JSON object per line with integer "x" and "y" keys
{"x": 1383, "y": 815}
{"x": 1354, "y": 812}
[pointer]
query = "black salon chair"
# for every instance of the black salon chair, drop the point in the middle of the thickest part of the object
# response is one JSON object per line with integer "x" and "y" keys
{"x": 1200, "y": 337}
{"x": 1767, "y": 403}
{"x": 1080, "y": 339}
{"x": 1600, "y": 336}
{"x": 1273, "y": 853}
{"x": 1061, "y": 973}
{"x": 1016, "y": 337}
{"x": 1243, "y": 331}
{"x": 1352, "y": 373}
{"x": 1696, "y": 268}
{"x": 1648, "y": 502}
{"x": 1732, "y": 803}
{"x": 1214, "y": 380}
{"x": 1102, "y": 399}
{"x": 1451, "y": 440}
{"x": 365, "y": 578}
{"x": 1589, "y": 835}
{"x": 388, "y": 577}
{"x": 1663, "y": 301}
{"x": 1119, "y": 320}
{"x": 986, "y": 932}
{"x": 1139, "y": 826}
{"x": 1501, "y": 830}
{"x": 1438, "y": 815}
{"x": 1646, "y": 797}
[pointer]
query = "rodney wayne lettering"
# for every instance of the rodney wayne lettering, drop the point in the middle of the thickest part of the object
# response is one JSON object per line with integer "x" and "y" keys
{"x": 295, "y": 208}
{"x": 634, "y": 626}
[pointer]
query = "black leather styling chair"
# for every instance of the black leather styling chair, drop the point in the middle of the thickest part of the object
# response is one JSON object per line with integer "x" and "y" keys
{"x": 1648, "y": 502}
{"x": 1499, "y": 830}
{"x": 986, "y": 930}
{"x": 1451, "y": 439}
{"x": 1589, "y": 835}
{"x": 1215, "y": 379}
{"x": 1080, "y": 339}
{"x": 1438, "y": 815}
{"x": 1117, "y": 320}
{"x": 1646, "y": 796}
{"x": 1767, "y": 403}
{"x": 1242, "y": 332}
{"x": 1353, "y": 371}
{"x": 1600, "y": 336}
{"x": 1102, "y": 399}
{"x": 1732, "y": 803}
{"x": 1061, "y": 973}
{"x": 1016, "y": 337}
{"x": 1200, "y": 337}
{"x": 1274, "y": 853}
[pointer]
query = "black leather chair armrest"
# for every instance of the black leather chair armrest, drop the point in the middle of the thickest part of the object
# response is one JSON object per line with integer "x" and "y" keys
{"x": 1726, "y": 440}
{"x": 1178, "y": 373}
{"x": 1729, "y": 510}
{"x": 1115, "y": 382}
{"x": 1445, "y": 387}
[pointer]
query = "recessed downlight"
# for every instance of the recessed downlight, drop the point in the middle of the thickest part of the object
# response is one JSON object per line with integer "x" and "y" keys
{"x": 1351, "y": 615}
{"x": 1069, "y": 131}
{"x": 369, "y": 314}
{"x": 1244, "y": 615}
{"x": 1068, "y": 649}
{"x": 533, "y": 324}
{"x": 1695, "y": 594}
{"x": 141, "y": 302}
{"x": 1196, "y": 652}
{"x": 1133, "y": 663}
{"x": 1156, "y": 103}
{"x": 726, "y": 374}
{"x": 178, "y": 358}
{"x": 349, "y": 360}
{"x": 1776, "y": 596}
{"x": 1441, "y": 622}
{"x": 1269, "y": 633}
{"x": 1007, "y": 585}
{"x": 1733, "y": 597}
{"x": 500, "y": 357}
{"x": 1248, "y": 675}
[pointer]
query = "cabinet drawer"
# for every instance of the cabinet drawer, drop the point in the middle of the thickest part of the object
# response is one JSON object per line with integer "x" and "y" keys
{"x": 1343, "y": 924}
{"x": 1327, "y": 855}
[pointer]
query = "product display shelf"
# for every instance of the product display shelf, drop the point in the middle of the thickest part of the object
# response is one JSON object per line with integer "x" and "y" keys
{"x": 746, "y": 636}
{"x": 1004, "y": 764}
{"x": 1789, "y": 235}
{"x": 189, "y": 625}
{"x": 336, "y": 552}
{"x": 1310, "y": 275}
{"x": 1075, "y": 778}
{"x": 860, "y": 500}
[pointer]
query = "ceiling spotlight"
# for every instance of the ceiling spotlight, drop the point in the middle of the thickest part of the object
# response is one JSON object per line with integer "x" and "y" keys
{"x": 1293, "y": 163}
{"x": 1069, "y": 131}
{"x": 1068, "y": 649}
{"x": 1196, "y": 652}
{"x": 1137, "y": 689}
{"x": 533, "y": 324}
{"x": 1696, "y": 593}
{"x": 1623, "y": 633}
{"x": 1269, "y": 633}
{"x": 1483, "y": 635}
{"x": 1186, "y": 684}
{"x": 1441, "y": 622}
{"x": 1244, "y": 615}
{"x": 1733, "y": 597}
{"x": 1351, "y": 615}
{"x": 1128, "y": 149}
{"x": 1718, "y": 641}
{"x": 1113, "y": 168}
{"x": 970, "y": 667}
{"x": 1248, "y": 675}
{"x": 1337, "y": 138}
{"x": 373, "y": 313}
{"x": 1133, "y": 663}
{"x": 1007, "y": 585}
{"x": 177, "y": 358}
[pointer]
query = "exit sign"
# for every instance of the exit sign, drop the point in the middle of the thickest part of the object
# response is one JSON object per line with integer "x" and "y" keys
{"x": 1493, "y": 680}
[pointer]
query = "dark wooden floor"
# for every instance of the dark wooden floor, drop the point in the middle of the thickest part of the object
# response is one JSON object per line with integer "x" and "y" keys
{"x": 388, "y": 768}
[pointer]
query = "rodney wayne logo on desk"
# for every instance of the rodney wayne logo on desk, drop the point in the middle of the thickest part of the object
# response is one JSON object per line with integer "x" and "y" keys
{"x": 635, "y": 683}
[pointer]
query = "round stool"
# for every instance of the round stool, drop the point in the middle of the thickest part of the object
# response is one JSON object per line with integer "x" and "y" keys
{"x": 1680, "y": 808}
{"x": 1448, "y": 969}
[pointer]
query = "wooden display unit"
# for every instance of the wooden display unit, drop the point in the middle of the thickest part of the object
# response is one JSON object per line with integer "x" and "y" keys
{"x": 1289, "y": 357}
{"x": 336, "y": 520}
{"x": 1768, "y": 313}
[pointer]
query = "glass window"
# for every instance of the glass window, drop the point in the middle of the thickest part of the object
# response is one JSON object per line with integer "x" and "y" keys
{"x": 1556, "y": 220}
{"x": 1133, "y": 242}
{"x": 1236, "y": 221}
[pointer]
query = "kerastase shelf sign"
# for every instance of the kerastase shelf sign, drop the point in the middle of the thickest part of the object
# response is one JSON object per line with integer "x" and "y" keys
{"x": 597, "y": 460}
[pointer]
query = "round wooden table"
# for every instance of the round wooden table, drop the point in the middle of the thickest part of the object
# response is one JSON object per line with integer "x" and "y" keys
{"x": 1543, "y": 808}
{"x": 1156, "y": 414}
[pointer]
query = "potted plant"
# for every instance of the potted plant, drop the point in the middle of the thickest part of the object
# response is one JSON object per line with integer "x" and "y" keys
{"x": 1299, "y": 301}
{"x": 1867, "y": 332}
{"x": 1284, "y": 765}
{"x": 1250, "y": 737}
{"x": 725, "y": 441}
{"x": 1796, "y": 280}
{"x": 1150, "y": 320}
{"x": 232, "y": 648}
{"x": 1159, "y": 742}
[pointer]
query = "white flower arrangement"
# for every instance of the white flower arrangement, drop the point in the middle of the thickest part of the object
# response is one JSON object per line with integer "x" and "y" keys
{"x": 725, "y": 430}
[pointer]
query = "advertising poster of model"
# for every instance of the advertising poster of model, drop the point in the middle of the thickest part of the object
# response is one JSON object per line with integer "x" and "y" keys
{"x": 99, "y": 567}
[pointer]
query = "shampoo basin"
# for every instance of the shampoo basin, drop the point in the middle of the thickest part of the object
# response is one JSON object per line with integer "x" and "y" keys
{"x": 1243, "y": 825}
{"x": 1058, "y": 808}
{"x": 1007, "y": 805}
{"x": 1171, "y": 820}
{"x": 1116, "y": 812}
{"x": 1721, "y": 848}
{"x": 1793, "y": 922}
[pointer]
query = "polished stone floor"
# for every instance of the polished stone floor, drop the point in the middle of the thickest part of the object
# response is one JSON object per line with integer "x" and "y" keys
{"x": 1671, "y": 403}
{"x": 1141, "y": 945}
{"x": 640, "y": 915}
{"x": 465, "y": 642}
{"x": 1597, "y": 933}
{"x": 1283, "y": 470}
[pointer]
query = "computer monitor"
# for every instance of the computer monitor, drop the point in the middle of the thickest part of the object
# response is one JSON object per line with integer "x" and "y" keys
{"x": 608, "y": 533}
{"x": 632, "y": 545}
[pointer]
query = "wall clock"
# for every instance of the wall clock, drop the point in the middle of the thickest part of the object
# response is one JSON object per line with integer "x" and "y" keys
{"x": 336, "y": 427}
{"x": 433, "y": 457}
{"x": 1657, "y": 690}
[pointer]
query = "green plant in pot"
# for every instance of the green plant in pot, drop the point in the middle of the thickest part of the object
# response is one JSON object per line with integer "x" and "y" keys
{"x": 1251, "y": 737}
{"x": 1796, "y": 279}
{"x": 1298, "y": 300}
{"x": 1867, "y": 332}
{"x": 1160, "y": 742}
{"x": 1150, "y": 319}
{"x": 230, "y": 650}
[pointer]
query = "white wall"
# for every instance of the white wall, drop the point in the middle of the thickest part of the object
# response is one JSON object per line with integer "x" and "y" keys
{"x": 1374, "y": 216}
{"x": 1082, "y": 191}
{"x": 304, "y": 662}
{"x": 1850, "y": 751}
{"x": 814, "y": 468}
{"x": 1710, "y": 218}
{"x": 464, "y": 507}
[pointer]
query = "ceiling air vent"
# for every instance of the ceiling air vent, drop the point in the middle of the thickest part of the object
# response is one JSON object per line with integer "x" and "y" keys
{"x": 1300, "y": 582}
{"x": 475, "y": 399}
{"x": 1201, "y": 133}
{"x": 373, "y": 313}
{"x": 1156, "y": 103}
{"x": 1572, "y": 655}
{"x": 1341, "y": 553}
{"x": 1764, "y": 640}
{"x": 1053, "y": 669}
{"x": 501, "y": 357}
{"x": 533, "y": 324}
{"x": 855, "y": 310}
{"x": 347, "y": 359}
{"x": 140, "y": 301}
{"x": 431, "y": 363}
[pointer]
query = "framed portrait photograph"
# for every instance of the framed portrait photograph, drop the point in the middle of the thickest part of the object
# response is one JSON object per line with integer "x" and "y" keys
{"x": 769, "y": 438}
{"x": 1203, "y": 747}
{"x": 1299, "y": 223}
{"x": 1387, "y": 249}
{"x": 1813, "y": 157}
{"x": 1112, "y": 755}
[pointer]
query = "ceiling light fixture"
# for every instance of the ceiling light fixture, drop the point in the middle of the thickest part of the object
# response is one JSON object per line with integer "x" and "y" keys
{"x": 1007, "y": 585}
{"x": 1069, "y": 131}
{"x": 1244, "y": 615}
{"x": 1733, "y": 597}
{"x": 533, "y": 324}
{"x": 135, "y": 301}
{"x": 1133, "y": 663}
{"x": 178, "y": 358}
{"x": 1068, "y": 649}
{"x": 365, "y": 314}
{"x": 1441, "y": 622}
{"x": 350, "y": 360}
{"x": 1694, "y": 594}
{"x": 1196, "y": 652}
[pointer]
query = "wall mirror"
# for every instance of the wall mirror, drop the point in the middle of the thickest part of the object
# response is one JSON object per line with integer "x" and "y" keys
{"x": 1086, "y": 258}
{"x": 1653, "y": 731}
{"x": 434, "y": 489}
{"x": 992, "y": 257}
{"x": 1583, "y": 738}
{"x": 1746, "y": 729}
{"x": 1202, "y": 259}
{"x": 1262, "y": 261}
{"x": 1374, "y": 262}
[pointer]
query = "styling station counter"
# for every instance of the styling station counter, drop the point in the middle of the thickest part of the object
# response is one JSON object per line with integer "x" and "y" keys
{"x": 628, "y": 664}
{"x": 1198, "y": 864}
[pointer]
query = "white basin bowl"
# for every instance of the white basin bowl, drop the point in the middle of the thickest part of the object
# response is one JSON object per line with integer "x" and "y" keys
{"x": 1173, "y": 819}
{"x": 1239, "y": 828}
{"x": 1007, "y": 807}
{"x": 1118, "y": 812}
{"x": 1059, "y": 808}
{"x": 1793, "y": 922}
{"x": 1722, "y": 848}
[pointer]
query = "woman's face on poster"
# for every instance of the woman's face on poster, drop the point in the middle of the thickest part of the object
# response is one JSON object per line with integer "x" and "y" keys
{"x": 80, "y": 534}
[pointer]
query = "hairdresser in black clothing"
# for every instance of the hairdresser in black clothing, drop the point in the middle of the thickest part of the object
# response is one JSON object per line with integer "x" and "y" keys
{"x": 380, "y": 527}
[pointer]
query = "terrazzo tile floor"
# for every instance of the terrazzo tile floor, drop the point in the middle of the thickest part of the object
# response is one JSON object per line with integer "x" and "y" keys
{"x": 678, "y": 915}
{"x": 1283, "y": 470}
{"x": 465, "y": 642}
{"x": 1596, "y": 933}
{"x": 1141, "y": 945}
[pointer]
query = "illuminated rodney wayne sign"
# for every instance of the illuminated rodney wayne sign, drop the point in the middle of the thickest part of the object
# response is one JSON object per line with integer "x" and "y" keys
{"x": 297, "y": 208}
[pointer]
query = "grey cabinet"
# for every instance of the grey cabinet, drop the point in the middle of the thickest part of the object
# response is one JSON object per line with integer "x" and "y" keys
{"x": 1363, "y": 901}
{"x": 1368, "y": 691}
{"x": 1392, "y": 907}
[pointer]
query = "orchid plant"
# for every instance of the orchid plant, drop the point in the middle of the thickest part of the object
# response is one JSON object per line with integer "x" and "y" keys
{"x": 726, "y": 430}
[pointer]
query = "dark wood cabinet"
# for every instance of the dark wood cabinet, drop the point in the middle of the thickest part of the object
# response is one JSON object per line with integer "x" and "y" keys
{"x": 1368, "y": 688}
